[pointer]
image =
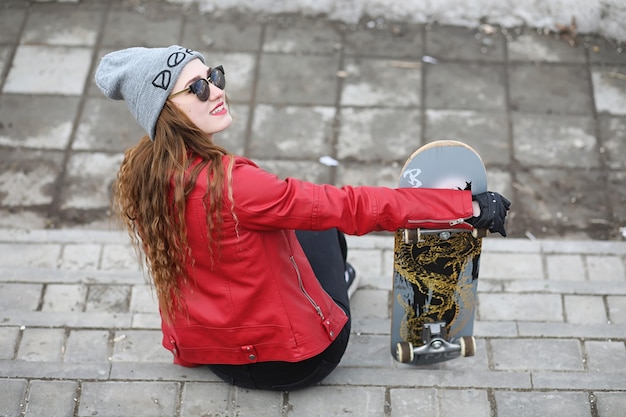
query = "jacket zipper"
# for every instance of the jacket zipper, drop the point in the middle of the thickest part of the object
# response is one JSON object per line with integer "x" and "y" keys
{"x": 306, "y": 294}
{"x": 449, "y": 222}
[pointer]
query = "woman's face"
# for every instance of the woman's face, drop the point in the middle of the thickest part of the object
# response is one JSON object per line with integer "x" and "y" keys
{"x": 212, "y": 115}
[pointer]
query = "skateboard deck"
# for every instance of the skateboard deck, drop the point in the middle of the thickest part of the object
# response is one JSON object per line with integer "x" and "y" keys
{"x": 436, "y": 270}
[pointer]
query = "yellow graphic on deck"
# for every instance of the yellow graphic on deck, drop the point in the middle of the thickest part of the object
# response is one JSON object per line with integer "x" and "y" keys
{"x": 437, "y": 272}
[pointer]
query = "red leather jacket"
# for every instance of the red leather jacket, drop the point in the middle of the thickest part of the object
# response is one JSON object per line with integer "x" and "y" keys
{"x": 256, "y": 298}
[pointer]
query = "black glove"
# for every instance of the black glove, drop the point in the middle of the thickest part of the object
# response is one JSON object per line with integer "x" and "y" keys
{"x": 493, "y": 209}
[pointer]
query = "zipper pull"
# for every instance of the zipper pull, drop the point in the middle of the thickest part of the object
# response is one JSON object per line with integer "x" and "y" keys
{"x": 457, "y": 221}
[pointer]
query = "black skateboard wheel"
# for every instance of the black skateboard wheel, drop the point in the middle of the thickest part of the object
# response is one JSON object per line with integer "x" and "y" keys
{"x": 404, "y": 352}
{"x": 468, "y": 345}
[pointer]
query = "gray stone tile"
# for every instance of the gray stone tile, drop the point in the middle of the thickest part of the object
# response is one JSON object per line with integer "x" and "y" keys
{"x": 75, "y": 24}
{"x": 486, "y": 132}
{"x": 368, "y": 303}
{"x": 8, "y": 342}
{"x": 53, "y": 370}
{"x": 366, "y": 402}
{"x": 146, "y": 321}
{"x": 581, "y": 309}
{"x": 111, "y": 299}
{"x": 539, "y": 404}
{"x": 4, "y": 58}
{"x": 11, "y": 20}
{"x": 378, "y": 134}
{"x": 407, "y": 402}
{"x": 12, "y": 396}
{"x": 550, "y": 89}
{"x": 612, "y": 132}
{"x": 562, "y": 287}
{"x": 369, "y": 265}
{"x": 200, "y": 399}
{"x": 606, "y": 356}
{"x": 609, "y": 91}
{"x": 64, "y": 297}
{"x": 538, "y": 47}
{"x": 605, "y": 51}
{"x": 464, "y": 402}
{"x": 610, "y": 404}
{"x": 406, "y": 376}
{"x": 30, "y": 255}
{"x": 50, "y": 129}
{"x": 287, "y": 79}
{"x": 372, "y": 351}
{"x": 373, "y": 174}
{"x": 617, "y": 198}
{"x": 536, "y": 354}
{"x": 154, "y": 371}
{"x": 542, "y": 140}
{"x": 399, "y": 41}
{"x": 139, "y": 399}
{"x": 605, "y": 268}
{"x": 565, "y": 267}
{"x": 241, "y": 35}
{"x": 465, "y": 86}
{"x": 617, "y": 309}
{"x": 144, "y": 299}
{"x": 106, "y": 125}
{"x": 579, "y": 381}
{"x": 65, "y": 71}
{"x": 567, "y": 330}
{"x": 376, "y": 82}
{"x": 579, "y": 200}
{"x": 301, "y": 36}
{"x": 84, "y": 186}
{"x": 87, "y": 346}
{"x": 459, "y": 43}
{"x": 280, "y": 132}
{"x": 246, "y": 403}
{"x": 411, "y": 402}
{"x": 158, "y": 25}
{"x": 511, "y": 266}
{"x": 82, "y": 256}
{"x": 502, "y": 182}
{"x": 520, "y": 307}
{"x": 119, "y": 257}
{"x": 20, "y": 297}
{"x": 139, "y": 346}
{"x": 51, "y": 398}
{"x": 41, "y": 345}
{"x": 370, "y": 326}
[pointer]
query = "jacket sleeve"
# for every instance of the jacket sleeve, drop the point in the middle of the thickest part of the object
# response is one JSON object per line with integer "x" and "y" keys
{"x": 264, "y": 202}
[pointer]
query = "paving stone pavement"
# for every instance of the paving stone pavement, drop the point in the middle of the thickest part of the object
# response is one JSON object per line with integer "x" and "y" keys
{"x": 80, "y": 336}
{"x": 79, "y": 327}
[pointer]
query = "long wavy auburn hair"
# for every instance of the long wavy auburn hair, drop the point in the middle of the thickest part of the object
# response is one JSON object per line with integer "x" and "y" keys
{"x": 150, "y": 194}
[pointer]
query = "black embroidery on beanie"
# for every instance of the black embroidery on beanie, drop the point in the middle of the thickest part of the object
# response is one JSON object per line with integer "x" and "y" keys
{"x": 175, "y": 59}
{"x": 162, "y": 80}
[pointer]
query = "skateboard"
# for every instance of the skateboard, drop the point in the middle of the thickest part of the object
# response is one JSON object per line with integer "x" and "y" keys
{"x": 435, "y": 271}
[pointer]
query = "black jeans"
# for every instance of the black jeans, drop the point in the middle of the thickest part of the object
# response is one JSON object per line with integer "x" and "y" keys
{"x": 326, "y": 252}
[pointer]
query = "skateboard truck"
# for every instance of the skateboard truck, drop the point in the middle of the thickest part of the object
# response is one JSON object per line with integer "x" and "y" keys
{"x": 413, "y": 236}
{"x": 435, "y": 346}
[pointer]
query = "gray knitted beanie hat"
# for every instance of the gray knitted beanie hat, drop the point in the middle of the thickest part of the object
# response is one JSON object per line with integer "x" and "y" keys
{"x": 144, "y": 77}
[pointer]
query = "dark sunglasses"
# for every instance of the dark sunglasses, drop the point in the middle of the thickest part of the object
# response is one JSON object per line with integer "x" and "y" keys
{"x": 201, "y": 87}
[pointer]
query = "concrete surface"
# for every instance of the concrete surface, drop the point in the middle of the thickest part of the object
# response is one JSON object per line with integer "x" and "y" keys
{"x": 78, "y": 322}
{"x": 604, "y": 17}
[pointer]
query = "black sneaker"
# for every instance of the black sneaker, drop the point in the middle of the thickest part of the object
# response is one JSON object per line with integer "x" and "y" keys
{"x": 352, "y": 279}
